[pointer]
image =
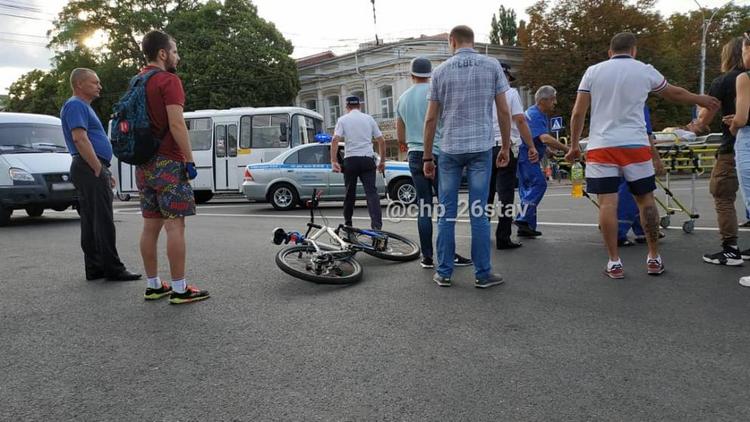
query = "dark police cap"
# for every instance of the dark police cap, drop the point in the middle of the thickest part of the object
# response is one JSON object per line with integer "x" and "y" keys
{"x": 506, "y": 69}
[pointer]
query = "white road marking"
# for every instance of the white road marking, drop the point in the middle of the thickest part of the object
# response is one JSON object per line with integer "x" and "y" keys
{"x": 129, "y": 211}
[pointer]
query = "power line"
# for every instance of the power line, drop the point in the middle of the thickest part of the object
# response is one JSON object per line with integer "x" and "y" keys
{"x": 23, "y": 35}
{"x": 24, "y": 17}
{"x": 22, "y": 42}
{"x": 20, "y": 6}
{"x": 24, "y": 8}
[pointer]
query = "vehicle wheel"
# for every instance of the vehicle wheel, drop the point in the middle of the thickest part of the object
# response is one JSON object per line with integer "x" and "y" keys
{"x": 34, "y": 211}
{"x": 688, "y": 226}
{"x": 60, "y": 208}
{"x": 297, "y": 261}
{"x": 403, "y": 191}
{"x": 664, "y": 222}
{"x": 202, "y": 196}
{"x": 398, "y": 248}
{"x": 5, "y": 214}
{"x": 283, "y": 197}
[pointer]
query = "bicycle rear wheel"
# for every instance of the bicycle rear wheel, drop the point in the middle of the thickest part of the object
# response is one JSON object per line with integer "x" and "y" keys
{"x": 399, "y": 248}
{"x": 303, "y": 262}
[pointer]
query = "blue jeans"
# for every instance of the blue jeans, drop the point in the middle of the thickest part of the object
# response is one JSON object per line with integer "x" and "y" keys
{"x": 628, "y": 214}
{"x": 531, "y": 188}
{"x": 479, "y": 170}
{"x": 742, "y": 157}
{"x": 425, "y": 188}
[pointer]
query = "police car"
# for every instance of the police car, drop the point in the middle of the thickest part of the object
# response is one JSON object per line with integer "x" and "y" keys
{"x": 289, "y": 179}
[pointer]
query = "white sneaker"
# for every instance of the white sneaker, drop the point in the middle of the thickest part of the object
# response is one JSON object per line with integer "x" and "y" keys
{"x": 745, "y": 281}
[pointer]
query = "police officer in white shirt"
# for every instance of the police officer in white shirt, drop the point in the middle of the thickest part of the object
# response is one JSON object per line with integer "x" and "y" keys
{"x": 358, "y": 130}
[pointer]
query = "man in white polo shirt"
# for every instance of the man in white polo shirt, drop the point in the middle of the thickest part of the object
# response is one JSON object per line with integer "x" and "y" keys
{"x": 618, "y": 145}
{"x": 358, "y": 130}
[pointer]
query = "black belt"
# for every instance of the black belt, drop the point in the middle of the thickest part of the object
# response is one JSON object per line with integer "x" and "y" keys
{"x": 104, "y": 162}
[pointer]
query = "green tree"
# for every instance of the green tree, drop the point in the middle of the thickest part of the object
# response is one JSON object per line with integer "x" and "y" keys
{"x": 503, "y": 29}
{"x": 229, "y": 56}
{"x": 564, "y": 39}
{"x": 681, "y": 44}
{"x": 123, "y": 21}
{"x": 35, "y": 92}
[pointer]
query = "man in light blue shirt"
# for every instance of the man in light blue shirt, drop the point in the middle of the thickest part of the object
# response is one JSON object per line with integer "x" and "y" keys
{"x": 461, "y": 95}
{"x": 410, "y": 115}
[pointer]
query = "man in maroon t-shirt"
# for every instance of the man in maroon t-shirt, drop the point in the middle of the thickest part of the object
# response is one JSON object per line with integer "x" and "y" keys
{"x": 163, "y": 182}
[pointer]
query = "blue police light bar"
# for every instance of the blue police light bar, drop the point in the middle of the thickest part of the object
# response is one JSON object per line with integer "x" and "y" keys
{"x": 323, "y": 138}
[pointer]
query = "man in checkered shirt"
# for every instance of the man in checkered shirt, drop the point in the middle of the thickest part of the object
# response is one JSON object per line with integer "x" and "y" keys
{"x": 461, "y": 95}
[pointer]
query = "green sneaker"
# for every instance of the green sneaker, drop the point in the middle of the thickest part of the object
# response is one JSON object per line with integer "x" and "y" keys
{"x": 156, "y": 294}
{"x": 192, "y": 294}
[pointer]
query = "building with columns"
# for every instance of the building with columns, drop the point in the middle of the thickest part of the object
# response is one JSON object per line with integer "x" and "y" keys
{"x": 379, "y": 74}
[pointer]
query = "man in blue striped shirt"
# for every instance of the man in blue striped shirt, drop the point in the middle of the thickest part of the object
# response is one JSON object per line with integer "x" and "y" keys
{"x": 462, "y": 92}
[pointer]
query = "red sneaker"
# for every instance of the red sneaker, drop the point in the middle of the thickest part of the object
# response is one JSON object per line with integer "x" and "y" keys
{"x": 654, "y": 266}
{"x": 615, "y": 271}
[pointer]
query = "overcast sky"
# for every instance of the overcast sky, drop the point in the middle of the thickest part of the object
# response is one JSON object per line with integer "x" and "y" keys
{"x": 313, "y": 26}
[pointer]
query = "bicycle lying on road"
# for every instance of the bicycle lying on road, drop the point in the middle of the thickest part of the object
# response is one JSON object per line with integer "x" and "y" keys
{"x": 332, "y": 262}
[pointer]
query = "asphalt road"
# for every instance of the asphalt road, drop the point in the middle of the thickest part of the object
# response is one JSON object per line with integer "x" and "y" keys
{"x": 558, "y": 341}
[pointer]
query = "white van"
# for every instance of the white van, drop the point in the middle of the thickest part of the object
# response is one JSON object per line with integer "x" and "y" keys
{"x": 225, "y": 141}
{"x": 34, "y": 166}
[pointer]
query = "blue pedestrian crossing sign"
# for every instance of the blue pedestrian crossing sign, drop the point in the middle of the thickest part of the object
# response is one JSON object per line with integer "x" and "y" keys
{"x": 557, "y": 124}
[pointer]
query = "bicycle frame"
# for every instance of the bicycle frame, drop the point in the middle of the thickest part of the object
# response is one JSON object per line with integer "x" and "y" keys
{"x": 313, "y": 237}
{"x": 321, "y": 230}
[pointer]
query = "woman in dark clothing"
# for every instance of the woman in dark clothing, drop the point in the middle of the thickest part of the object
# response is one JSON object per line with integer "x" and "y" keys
{"x": 724, "y": 184}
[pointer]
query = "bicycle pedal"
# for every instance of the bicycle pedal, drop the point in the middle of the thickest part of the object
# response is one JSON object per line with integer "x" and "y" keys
{"x": 380, "y": 243}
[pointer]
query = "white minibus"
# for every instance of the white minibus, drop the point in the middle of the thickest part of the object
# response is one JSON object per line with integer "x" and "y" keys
{"x": 225, "y": 141}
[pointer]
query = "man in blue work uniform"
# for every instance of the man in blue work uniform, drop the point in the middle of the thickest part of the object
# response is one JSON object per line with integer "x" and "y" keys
{"x": 531, "y": 181}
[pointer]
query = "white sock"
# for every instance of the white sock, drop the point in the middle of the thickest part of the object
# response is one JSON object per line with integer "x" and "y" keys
{"x": 154, "y": 282}
{"x": 611, "y": 263}
{"x": 734, "y": 247}
{"x": 179, "y": 286}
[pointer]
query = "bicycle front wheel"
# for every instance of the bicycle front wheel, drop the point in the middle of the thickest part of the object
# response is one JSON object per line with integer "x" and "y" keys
{"x": 303, "y": 262}
{"x": 398, "y": 248}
